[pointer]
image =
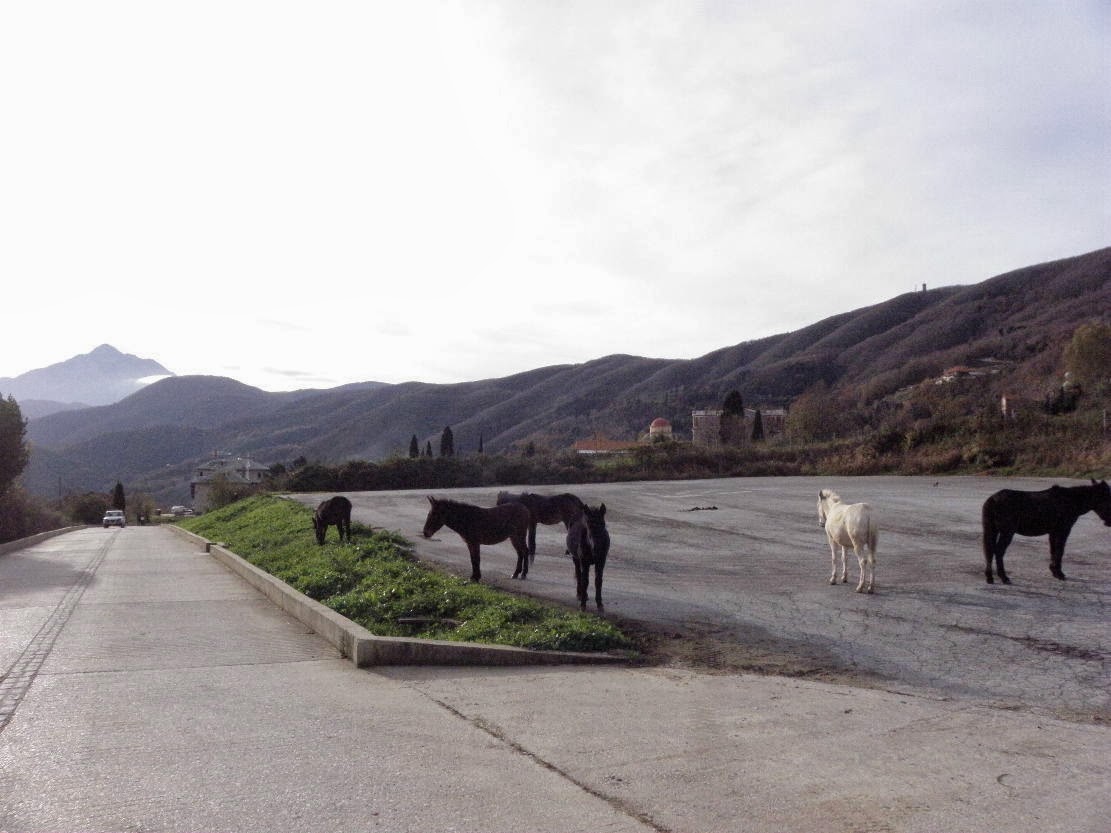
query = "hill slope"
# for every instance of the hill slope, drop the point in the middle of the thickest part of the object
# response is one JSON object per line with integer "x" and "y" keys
{"x": 1023, "y": 319}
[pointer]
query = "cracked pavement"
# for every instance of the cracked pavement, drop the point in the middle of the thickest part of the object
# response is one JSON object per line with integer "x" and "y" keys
{"x": 744, "y": 586}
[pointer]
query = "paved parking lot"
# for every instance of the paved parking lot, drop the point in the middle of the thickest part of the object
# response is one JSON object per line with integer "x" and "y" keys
{"x": 733, "y": 575}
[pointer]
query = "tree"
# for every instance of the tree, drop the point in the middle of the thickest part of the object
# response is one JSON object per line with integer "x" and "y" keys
{"x": 87, "y": 508}
{"x": 1088, "y": 356}
{"x": 813, "y": 415}
{"x": 733, "y": 405}
{"x": 119, "y": 500}
{"x": 480, "y": 442}
{"x": 14, "y": 453}
{"x": 757, "y": 427}
{"x": 428, "y": 448}
{"x": 447, "y": 443}
{"x": 414, "y": 447}
{"x": 223, "y": 492}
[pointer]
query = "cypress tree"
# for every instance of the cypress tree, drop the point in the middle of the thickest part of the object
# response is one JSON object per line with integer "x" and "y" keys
{"x": 119, "y": 501}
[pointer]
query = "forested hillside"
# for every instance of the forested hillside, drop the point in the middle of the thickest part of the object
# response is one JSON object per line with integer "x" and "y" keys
{"x": 1016, "y": 325}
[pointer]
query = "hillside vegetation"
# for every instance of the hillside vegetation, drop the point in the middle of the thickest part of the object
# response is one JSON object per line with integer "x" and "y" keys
{"x": 864, "y": 379}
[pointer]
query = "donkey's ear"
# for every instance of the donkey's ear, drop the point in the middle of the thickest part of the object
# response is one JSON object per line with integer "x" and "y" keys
{"x": 432, "y": 500}
{"x": 602, "y": 509}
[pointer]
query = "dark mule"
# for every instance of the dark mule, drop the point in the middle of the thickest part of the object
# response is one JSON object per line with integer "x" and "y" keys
{"x": 1050, "y": 512}
{"x": 588, "y": 541}
{"x": 563, "y": 508}
{"x": 482, "y": 526}
{"x": 335, "y": 511}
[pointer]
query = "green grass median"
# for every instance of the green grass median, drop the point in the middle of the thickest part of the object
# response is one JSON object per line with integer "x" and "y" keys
{"x": 376, "y": 582}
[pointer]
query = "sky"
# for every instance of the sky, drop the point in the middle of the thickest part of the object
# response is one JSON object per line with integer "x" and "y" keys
{"x": 307, "y": 194}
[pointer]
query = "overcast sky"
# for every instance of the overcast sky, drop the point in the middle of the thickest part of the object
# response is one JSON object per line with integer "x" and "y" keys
{"x": 300, "y": 194}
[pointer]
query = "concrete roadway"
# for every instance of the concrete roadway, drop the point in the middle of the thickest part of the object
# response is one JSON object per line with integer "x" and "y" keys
{"x": 146, "y": 688}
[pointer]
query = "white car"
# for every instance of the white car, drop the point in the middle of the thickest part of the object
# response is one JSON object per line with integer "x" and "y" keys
{"x": 114, "y": 517}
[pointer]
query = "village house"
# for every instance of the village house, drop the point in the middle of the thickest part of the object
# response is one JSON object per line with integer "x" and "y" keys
{"x": 240, "y": 473}
{"x": 715, "y": 428}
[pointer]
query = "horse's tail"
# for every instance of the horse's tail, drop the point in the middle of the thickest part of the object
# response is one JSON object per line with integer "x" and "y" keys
{"x": 873, "y": 536}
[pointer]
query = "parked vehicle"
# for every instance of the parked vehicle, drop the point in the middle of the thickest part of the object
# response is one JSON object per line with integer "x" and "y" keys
{"x": 114, "y": 517}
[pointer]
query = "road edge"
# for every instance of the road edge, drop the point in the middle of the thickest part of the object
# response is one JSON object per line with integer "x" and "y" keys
{"x": 364, "y": 648}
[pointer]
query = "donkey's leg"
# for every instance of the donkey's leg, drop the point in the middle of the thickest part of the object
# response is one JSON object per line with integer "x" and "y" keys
{"x": 582, "y": 575}
{"x": 599, "y": 566}
{"x": 476, "y": 573}
{"x": 1001, "y": 544}
{"x": 532, "y": 540}
{"x": 520, "y": 544}
{"x": 578, "y": 580}
{"x": 833, "y": 562}
{"x": 1057, "y": 539}
{"x": 858, "y": 552}
{"x": 991, "y": 542}
{"x": 869, "y": 566}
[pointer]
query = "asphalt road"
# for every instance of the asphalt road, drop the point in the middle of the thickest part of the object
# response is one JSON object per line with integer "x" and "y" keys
{"x": 733, "y": 575}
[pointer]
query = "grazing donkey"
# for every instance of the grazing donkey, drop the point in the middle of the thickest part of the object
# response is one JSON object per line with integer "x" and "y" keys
{"x": 335, "y": 511}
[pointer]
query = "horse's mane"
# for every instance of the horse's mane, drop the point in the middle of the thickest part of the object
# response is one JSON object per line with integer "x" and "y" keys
{"x": 830, "y": 495}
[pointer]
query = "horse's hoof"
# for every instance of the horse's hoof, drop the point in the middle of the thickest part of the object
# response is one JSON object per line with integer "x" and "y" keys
{"x": 1005, "y": 579}
{"x": 990, "y": 578}
{"x": 833, "y": 581}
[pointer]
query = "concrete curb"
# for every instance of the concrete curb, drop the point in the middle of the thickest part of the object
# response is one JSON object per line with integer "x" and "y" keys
{"x": 364, "y": 648}
{"x": 31, "y": 540}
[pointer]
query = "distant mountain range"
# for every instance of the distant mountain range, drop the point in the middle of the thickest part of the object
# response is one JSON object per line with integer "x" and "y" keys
{"x": 101, "y": 377}
{"x": 1019, "y": 321}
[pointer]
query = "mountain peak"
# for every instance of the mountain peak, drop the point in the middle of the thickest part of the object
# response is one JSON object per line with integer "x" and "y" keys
{"x": 99, "y": 377}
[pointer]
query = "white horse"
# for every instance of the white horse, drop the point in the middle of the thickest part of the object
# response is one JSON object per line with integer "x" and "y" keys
{"x": 849, "y": 526}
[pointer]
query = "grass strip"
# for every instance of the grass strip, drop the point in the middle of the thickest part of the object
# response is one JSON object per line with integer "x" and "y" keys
{"x": 376, "y": 581}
